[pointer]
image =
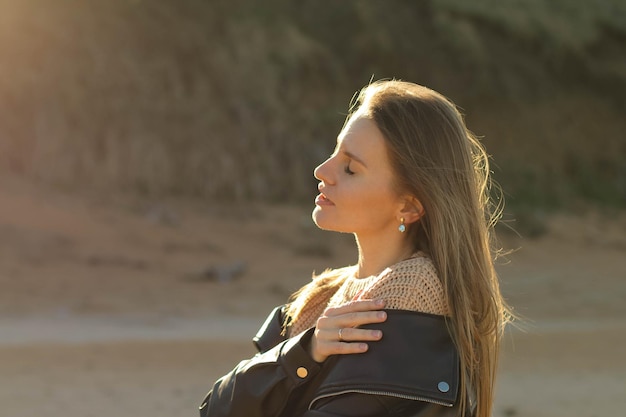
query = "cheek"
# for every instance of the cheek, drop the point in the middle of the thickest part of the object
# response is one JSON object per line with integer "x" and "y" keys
{"x": 370, "y": 192}
{"x": 370, "y": 203}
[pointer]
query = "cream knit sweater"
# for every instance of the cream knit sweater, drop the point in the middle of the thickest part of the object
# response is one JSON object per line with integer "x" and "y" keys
{"x": 411, "y": 284}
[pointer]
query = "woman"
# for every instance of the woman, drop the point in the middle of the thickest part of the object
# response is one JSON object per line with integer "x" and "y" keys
{"x": 413, "y": 329}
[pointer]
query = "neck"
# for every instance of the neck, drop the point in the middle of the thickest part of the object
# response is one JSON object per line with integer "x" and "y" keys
{"x": 378, "y": 253}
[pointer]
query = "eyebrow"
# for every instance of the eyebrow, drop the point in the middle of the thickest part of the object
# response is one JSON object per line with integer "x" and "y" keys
{"x": 353, "y": 156}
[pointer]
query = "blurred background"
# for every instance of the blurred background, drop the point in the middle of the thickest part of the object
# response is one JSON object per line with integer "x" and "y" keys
{"x": 156, "y": 184}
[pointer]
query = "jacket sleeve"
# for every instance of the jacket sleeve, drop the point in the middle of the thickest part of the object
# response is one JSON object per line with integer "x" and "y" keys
{"x": 413, "y": 371}
{"x": 356, "y": 404}
{"x": 262, "y": 385}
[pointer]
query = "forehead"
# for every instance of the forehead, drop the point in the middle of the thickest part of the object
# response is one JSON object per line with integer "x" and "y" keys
{"x": 362, "y": 137}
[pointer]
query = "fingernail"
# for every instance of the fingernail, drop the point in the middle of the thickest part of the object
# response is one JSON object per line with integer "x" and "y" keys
{"x": 377, "y": 334}
{"x": 380, "y": 302}
{"x": 362, "y": 347}
{"x": 382, "y": 315}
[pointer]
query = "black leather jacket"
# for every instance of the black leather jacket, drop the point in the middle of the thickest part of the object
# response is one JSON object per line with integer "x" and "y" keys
{"x": 413, "y": 371}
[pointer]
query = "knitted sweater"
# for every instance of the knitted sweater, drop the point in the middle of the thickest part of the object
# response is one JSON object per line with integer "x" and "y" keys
{"x": 411, "y": 284}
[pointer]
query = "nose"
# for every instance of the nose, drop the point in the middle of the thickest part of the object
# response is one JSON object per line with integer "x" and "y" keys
{"x": 321, "y": 172}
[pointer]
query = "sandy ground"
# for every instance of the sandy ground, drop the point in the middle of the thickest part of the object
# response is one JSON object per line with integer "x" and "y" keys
{"x": 117, "y": 306}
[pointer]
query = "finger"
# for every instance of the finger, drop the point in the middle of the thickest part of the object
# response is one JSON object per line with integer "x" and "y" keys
{"x": 356, "y": 305}
{"x": 349, "y": 348}
{"x": 341, "y": 348}
{"x": 358, "y": 318}
{"x": 353, "y": 319}
{"x": 349, "y": 334}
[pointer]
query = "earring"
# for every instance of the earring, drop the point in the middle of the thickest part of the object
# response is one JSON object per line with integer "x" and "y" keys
{"x": 402, "y": 227}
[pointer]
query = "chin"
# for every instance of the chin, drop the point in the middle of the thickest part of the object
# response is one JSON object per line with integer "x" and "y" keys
{"x": 321, "y": 220}
{"x": 315, "y": 216}
{"x": 324, "y": 223}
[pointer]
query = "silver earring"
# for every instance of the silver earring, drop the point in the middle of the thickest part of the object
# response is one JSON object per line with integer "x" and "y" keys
{"x": 402, "y": 227}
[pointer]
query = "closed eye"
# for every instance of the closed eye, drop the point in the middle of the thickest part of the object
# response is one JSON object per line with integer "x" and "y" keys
{"x": 347, "y": 170}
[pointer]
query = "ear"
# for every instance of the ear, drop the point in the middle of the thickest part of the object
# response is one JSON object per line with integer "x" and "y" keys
{"x": 411, "y": 210}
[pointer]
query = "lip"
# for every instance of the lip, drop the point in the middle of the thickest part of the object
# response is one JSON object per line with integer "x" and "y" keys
{"x": 322, "y": 200}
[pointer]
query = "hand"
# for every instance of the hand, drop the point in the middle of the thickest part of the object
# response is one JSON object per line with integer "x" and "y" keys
{"x": 335, "y": 332}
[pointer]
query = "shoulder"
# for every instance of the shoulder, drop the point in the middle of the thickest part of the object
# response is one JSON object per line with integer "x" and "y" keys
{"x": 417, "y": 271}
{"x": 420, "y": 263}
{"x": 333, "y": 275}
{"x": 416, "y": 360}
{"x": 412, "y": 284}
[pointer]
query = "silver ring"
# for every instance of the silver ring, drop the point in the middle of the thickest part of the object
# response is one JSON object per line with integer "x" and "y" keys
{"x": 340, "y": 338}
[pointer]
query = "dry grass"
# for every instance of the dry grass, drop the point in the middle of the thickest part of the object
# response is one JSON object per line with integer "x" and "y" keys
{"x": 237, "y": 101}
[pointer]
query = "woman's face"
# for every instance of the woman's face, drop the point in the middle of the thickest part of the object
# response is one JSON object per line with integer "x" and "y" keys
{"x": 356, "y": 193}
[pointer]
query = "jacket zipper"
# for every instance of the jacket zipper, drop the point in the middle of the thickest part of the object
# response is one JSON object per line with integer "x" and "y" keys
{"x": 386, "y": 393}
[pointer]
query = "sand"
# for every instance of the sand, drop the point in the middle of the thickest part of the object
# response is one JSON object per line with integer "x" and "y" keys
{"x": 123, "y": 306}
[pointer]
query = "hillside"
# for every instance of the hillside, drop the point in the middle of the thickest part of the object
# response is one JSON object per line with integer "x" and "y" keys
{"x": 238, "y": 101}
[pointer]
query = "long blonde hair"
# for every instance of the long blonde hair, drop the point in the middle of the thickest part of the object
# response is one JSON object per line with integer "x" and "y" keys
{"x": 440, "y": 162}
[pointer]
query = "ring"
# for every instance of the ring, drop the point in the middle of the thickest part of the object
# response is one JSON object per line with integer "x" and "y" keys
{"x": 340, "y": 338}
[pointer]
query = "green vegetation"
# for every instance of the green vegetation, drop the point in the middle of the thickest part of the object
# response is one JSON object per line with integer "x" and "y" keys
{"x": 240, "y": 100}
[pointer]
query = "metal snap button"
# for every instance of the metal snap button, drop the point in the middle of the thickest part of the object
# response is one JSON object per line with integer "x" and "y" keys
{"x": 443, "y": 386}
{"x": 302, "y": 372}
